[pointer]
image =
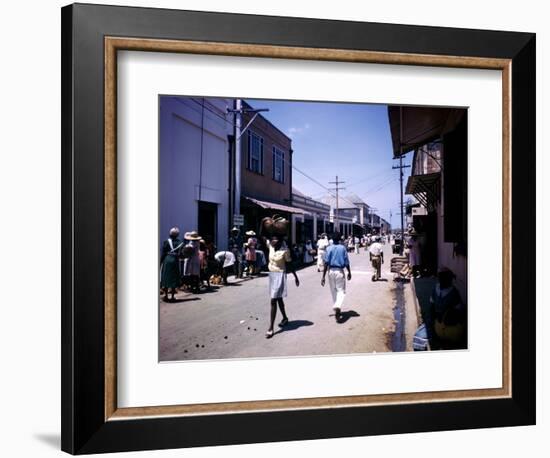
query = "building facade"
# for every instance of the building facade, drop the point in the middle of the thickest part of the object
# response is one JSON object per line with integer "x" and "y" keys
{"x": 315, "y": 220}
{"x": 266, "y": 171}
{"x": 438, "y": 182}
{"x": 194, "y": 166}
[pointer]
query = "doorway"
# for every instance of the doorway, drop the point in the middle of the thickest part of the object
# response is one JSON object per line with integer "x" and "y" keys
{"x": 208, "y": 221}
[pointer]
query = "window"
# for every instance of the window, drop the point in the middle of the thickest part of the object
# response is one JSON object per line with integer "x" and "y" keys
{"x": 278, "y": 165}
{"x": 255, "y": 153}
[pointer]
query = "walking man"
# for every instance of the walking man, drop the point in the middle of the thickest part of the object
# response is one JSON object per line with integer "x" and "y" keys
{"x": 336, "y": 260}
{"x": 376, "y": 256}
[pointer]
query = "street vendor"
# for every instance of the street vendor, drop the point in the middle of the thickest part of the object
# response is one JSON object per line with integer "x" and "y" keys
{"x": 192, "y": 265}
{"x": 446, "y": 316}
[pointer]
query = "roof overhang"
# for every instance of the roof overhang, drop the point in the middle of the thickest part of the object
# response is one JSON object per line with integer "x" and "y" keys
{"x": 425, "y": 188}
{"x": 420, "y": 125}
{"x": 274, "y": 206}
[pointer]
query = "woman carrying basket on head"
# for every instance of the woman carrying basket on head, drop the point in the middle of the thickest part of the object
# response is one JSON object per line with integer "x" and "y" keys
{"x": 280, "y": 262}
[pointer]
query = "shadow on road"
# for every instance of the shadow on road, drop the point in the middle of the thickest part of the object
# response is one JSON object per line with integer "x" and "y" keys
{"x": 294, "y": 324}
{"x": 186, "y": 299}
{"x": 346, "y": 315}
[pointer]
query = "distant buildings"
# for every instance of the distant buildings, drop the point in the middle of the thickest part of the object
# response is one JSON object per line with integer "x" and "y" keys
{"x": 354, "y": 215}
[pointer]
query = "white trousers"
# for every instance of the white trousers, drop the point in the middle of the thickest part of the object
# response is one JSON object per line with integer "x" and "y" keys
{"x": 337, "y": 283}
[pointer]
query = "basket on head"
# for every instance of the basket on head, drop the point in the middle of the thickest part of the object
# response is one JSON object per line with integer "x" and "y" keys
{"x": 276, "y": 225}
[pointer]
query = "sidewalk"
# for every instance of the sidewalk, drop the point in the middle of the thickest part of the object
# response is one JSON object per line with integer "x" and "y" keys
{"x": 423, "y": 288}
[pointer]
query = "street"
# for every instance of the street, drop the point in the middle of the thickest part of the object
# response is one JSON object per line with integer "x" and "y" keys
{"x": 231, "y": 321}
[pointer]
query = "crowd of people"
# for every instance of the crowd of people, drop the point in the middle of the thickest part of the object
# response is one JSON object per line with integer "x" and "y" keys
{"x": 194, "y": 262}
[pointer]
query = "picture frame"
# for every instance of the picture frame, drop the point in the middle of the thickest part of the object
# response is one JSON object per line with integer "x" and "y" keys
{"x": 91, "y": 37}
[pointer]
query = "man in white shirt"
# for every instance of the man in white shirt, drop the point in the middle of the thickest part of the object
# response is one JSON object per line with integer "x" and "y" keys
{"x": 376, "y": 256}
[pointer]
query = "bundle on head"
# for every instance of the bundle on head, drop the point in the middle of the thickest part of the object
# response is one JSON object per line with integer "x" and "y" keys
{"x": 276, "y": 225}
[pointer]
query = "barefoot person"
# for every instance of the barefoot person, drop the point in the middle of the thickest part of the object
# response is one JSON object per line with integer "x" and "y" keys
{"x": 336, "y": 260}
{"x": 279, "y": 263}
{"x": 170, "y": 277}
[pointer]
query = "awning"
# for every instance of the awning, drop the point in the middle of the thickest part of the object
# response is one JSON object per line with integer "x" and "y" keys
{"x": 274, "y": 206}
{"x": 425, "y": 188}
{"x": 420, "y": 125}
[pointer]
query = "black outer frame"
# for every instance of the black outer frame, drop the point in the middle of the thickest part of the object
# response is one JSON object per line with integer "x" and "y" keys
{"x": 84, "y": 429}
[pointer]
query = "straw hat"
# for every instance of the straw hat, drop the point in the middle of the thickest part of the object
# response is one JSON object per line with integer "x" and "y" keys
{"x": 193, "y": 235}
{"x": 251, "y": 233}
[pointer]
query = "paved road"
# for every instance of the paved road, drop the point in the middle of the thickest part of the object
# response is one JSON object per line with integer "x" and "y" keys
{"x": 231, "y": 321}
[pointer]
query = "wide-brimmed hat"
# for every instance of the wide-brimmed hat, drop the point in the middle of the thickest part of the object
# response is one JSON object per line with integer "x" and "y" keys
{"x": 235, "y": 228}
{"x": 252, "y": 233}
{"x": 193, "y": 235}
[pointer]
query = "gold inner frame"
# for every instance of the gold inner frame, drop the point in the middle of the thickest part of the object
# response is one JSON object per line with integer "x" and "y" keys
{"x": 114, "y": 44}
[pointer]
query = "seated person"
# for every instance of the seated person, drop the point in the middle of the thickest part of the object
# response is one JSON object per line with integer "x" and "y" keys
{"x": 446, "y": 317}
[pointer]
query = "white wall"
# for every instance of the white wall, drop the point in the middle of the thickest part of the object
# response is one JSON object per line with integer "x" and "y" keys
{"x": 30, "y": 203}
{"x": 183, "y": 181}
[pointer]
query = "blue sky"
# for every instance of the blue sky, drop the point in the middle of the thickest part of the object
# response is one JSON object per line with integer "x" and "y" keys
{"x": 352, "y": 141}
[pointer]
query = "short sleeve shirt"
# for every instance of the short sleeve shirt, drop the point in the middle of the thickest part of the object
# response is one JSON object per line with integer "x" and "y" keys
{"x": 337, "y": 256}
{"x": 278, "y": 258}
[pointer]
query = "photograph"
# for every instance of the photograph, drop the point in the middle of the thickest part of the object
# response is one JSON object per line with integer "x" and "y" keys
{"x": 310, "y": 228}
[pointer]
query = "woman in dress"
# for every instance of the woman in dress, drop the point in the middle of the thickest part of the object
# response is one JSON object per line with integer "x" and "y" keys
{"x": 250, "y": 251}
{"x": 308, "y": 258}
{"x": 322, "y": 245}
{"x": 192, "y": 265}
{"x": 204, "y": 256}
{"x": 170, "y": 278}
{"x": 279, "y": 263}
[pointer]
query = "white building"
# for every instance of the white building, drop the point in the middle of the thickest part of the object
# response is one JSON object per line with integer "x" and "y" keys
{"x": 194, "y": 166}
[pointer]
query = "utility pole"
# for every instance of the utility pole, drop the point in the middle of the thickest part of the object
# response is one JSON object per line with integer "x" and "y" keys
{"x": 238, "y": 157}
{"x": 401, "y": 167}
{"x": 238, "y": 111}
{"x": 337, "y": 189}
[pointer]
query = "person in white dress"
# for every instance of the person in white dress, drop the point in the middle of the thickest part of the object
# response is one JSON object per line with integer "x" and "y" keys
{"x": 308, "y": 258}
{"x": 322, "y": 245}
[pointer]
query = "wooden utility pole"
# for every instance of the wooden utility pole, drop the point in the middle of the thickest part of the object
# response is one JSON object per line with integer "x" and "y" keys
{"x": 337, "y": 189}
{"x": 401, "y": 167}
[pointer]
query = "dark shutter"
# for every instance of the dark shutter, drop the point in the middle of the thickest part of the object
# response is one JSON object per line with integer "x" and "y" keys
{"x": 455, "y": 183}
